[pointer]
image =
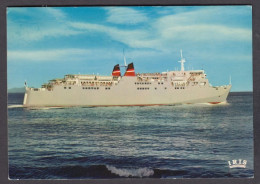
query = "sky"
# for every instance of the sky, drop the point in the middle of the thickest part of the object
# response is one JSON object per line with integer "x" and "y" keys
{"x": 49, "y": 42}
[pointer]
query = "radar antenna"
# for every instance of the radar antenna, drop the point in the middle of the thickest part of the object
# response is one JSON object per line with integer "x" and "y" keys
{"x": 182, "y": 61}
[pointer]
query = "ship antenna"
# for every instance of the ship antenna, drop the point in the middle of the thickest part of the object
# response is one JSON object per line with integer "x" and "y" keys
{"x": 182, "y": 61}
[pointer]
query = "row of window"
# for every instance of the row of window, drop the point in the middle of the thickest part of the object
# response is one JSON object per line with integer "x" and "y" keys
{"x": 147, "y": 88}
{"x": 142, "y": 88}
{"x": 108, "y": 88}
{"x": 90, "y": 88}
{"x": 142, "y": 83}
{"x": 147, "y": 83}
{"x": 156, "y": 88}
{"x": 94, "y": 88}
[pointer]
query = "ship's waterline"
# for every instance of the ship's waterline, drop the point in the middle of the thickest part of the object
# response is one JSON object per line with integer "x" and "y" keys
{"x": 166, "y": 88}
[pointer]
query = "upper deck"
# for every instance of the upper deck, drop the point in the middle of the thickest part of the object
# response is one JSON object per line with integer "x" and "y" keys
{"x": 174, "y": 77}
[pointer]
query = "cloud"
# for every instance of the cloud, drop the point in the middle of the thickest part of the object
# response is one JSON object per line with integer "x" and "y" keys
{"x": 43, "y": 55}
{"x": 42, "y": 23}
{"x": 201, "y": 26}
{"x": 61, "y": 55}
{"x": 56, "y": 13}
{"x": 37, "y": 32}
{"x": 138, "y": 38}
{"x": 123, "y": 15}
{"x": 40, "y": 13}
{"x": 205, "y": 32}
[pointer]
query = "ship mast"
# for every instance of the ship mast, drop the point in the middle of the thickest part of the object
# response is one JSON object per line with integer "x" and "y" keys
{"x": 182, "y": 61}
{"x": 124, "y": 59}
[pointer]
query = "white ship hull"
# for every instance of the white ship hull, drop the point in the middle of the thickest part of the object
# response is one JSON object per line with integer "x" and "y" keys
{"x": 125, "y": 93}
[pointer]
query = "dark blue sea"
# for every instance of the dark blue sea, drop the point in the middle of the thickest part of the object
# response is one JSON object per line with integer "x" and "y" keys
{"x": 182, "y": 141}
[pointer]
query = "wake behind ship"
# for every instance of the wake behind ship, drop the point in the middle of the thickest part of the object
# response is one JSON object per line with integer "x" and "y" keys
{"x": 130, "y": 89}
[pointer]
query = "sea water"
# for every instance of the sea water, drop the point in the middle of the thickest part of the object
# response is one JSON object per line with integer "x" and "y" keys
{"x": 182, "y": 141}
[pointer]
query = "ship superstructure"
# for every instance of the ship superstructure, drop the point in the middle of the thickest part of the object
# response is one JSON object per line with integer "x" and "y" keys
{"x": 166, "y": 88}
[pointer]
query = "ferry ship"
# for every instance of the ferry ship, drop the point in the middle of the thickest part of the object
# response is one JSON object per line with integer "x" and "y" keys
{"x": 129, "y": 89}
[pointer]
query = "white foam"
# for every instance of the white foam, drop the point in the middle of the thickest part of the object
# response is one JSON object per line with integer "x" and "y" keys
{"x": 140, "y": 172}
{"x": 221, "y": 103}
{"x": 14, "y": 106}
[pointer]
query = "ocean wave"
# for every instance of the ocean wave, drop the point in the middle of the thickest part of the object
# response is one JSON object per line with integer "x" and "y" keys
{"x": 139, "y": 172}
